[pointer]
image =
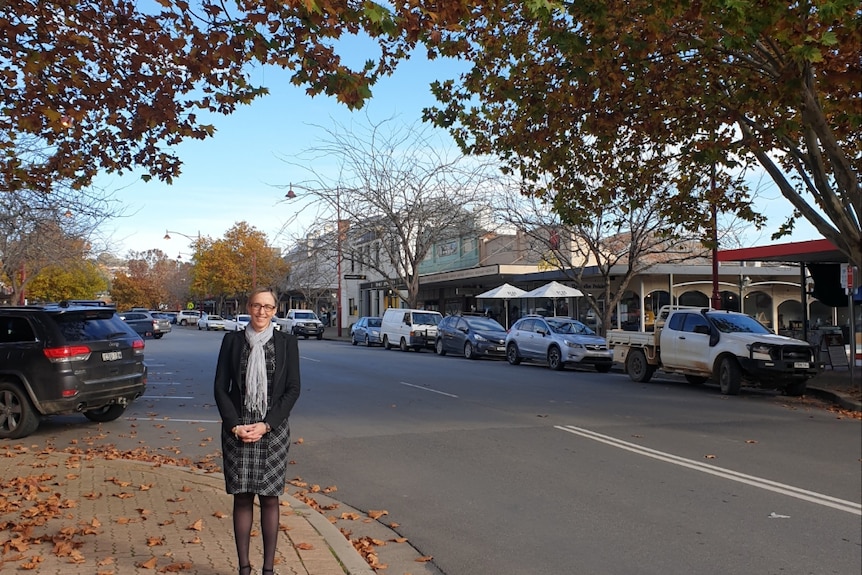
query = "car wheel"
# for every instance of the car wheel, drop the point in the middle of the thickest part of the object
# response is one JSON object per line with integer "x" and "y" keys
{"x": 512, "y": 355}
{"x": 319, "y": 336}
{"x": 293, "y": 331}
{"x": 402, "y": 345}
{"x": 796, "y": 388}
{"x": 637, "y": 367}
{"x": 367, "y": 341}
{"x": 184, "y": 322}
{"x": 695, "y": 379}
{"x": 438, "y": 347}
{"x": 469, "y": 351}
{"x": 158, "y": 335}
{"x": 386, "y": 342}
{"x": 18, "y": 417}
{"x": 555, "y": 358}
{"x": 353, "y": 339}
{"x": 729, "y": 376}
{"x": 106, "y": 413}
{"x": 603, "y": 367}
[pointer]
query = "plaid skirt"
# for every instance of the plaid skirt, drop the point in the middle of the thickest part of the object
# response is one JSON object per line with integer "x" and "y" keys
{"x": 259, "y": 467}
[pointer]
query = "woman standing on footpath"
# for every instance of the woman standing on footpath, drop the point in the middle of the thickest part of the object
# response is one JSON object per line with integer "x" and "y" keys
{"x": 256, "y": 386}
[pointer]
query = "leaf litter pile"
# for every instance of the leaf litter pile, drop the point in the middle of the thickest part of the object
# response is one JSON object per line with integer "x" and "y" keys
{"x": 38, "y": 520}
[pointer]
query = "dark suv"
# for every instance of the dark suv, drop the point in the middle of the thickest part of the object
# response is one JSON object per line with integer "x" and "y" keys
{"x": 58, "y": 359}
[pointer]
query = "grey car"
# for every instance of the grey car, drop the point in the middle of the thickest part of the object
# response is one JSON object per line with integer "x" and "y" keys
{"x": 146, "y": 324}
{"x": 366, "y": 330}
{"x": 558, "y": 342}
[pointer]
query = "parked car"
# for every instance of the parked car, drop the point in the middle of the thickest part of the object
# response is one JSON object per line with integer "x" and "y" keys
{"x": 211, "y": 321}
{"x": 241, "y": 320}
{"x": 409, "y": 328}
{"x": 188, "y": 317}
{"x": 145, "y": 324}
{"x": 366, "y": 330}
{"x": 557, "y": 341}
{"x": 302, "y": 322}
{"x": 172, "y": 316}
{"x": 472, "y": 336}
{"x": 57, "y": 359}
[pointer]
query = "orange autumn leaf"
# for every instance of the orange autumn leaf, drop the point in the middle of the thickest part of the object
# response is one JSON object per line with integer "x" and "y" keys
{"x": 148, "y": 564}
{"x": 424, "y": 559}
{"x": 304, "y": 546}
{"x": 377, "y": 513}
{"x": 177, "y": 567}
{"x": 197, "y": 525}
{"x": 153, "y": 541}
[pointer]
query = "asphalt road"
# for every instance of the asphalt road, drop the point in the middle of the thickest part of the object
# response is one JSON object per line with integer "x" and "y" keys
{"x": 517, "y": 470}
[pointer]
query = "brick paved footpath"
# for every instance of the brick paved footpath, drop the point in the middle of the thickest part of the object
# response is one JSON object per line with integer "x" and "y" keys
{"x": 61, "y": 514}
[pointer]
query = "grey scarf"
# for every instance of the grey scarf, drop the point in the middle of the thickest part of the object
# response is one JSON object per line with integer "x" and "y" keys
{"x": 255, "y": 377}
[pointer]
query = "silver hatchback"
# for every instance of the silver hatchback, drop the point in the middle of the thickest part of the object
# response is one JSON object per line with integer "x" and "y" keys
{"x": 558, "y": 342}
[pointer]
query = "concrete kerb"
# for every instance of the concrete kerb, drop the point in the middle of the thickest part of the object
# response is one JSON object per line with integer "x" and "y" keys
{"x": 347, "y": 555}
{"x": 340, "y": 547}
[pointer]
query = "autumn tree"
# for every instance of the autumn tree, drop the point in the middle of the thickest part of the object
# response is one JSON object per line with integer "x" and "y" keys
{"x": 107, "y": 86}
{"x": 79, "y": 280}
{"x": 398, "y": 191}
{"x": 235, "y": 264}
{"x": 143, "y": 284}
{"x": 719, "y": 86}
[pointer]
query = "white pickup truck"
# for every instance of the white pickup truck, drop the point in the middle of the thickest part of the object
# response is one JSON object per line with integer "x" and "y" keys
{"x": 702, "y": 343}
{"x": 302, "y": 322}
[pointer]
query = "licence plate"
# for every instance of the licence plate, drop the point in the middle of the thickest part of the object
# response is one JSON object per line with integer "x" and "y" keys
{"x": 800, "y": 365}
{"x": 112, "y": 355}
{"x": 501, "y": 348}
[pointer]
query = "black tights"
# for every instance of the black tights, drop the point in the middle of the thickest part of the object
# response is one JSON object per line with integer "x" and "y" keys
{"x": 243, "y": 515}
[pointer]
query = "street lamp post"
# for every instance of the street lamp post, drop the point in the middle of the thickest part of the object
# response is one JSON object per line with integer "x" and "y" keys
{"x": 339, "y": 231}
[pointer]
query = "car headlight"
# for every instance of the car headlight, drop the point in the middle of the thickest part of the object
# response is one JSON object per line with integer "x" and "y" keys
{"x": 480, "y": 338}
{"x": 574, "y": 344}
{"x": 761, "y": 351}
{"x": 375, "y": 333}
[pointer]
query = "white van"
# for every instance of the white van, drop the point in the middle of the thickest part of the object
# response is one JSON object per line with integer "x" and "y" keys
{"x": 409, "y": 328}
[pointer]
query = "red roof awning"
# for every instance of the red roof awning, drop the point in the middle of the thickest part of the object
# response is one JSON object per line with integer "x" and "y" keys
{"x": 819, "y": 251}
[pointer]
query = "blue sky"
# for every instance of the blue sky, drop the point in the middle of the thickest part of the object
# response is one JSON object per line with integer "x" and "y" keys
{"x": 232, "y": 177}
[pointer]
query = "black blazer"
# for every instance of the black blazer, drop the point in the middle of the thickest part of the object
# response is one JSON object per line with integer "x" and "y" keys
{"x": 230, "y": 391}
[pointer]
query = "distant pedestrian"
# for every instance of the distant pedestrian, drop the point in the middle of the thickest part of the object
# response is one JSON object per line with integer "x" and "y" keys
{"x": 257, "y": 384}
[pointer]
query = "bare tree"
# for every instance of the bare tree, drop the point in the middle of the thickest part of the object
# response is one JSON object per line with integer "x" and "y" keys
{"x": 620, "y": 240}
{"x": 312, "y": 272}
{"x": 395, "y": 193}
{"x": 38, "y": 230}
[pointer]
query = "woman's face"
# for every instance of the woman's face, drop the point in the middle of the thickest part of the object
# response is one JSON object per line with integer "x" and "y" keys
{"x": 261, "y": 307}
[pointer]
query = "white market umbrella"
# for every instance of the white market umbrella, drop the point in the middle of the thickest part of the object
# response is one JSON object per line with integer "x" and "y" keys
{"x": 554, "y": 290}
{"x": 504, "y": 292}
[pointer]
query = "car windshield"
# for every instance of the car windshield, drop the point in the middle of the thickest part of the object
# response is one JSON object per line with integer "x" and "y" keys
{"x": 484, "y": 324}
{"x": 426, "y": 318}
{"x": 569, "y": 327}
{"x": 736, "y": 323}
{"x": 374, "y": 321}
{"x": 214, "y": 318}
{"x": 305, "y": 315}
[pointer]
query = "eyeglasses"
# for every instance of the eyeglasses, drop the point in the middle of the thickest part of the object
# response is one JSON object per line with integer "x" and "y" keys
{"x": 263, "y": 306}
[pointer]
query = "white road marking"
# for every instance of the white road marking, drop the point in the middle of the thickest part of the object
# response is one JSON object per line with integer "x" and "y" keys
{"x": 428, "y": 389}
{"x": 164, "y": 383}
{"x": 145, "y": 397}
{"x": 769, "y": 485}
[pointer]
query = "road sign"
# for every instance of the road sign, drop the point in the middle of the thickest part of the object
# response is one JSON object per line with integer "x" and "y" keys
{"x": 354, "y": 276}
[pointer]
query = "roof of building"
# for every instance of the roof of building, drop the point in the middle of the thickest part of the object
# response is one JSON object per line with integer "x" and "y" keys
{"x": 812, "y": 251}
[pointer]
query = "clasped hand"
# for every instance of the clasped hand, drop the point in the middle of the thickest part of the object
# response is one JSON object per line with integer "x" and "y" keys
{"x": 250, "y": 433}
